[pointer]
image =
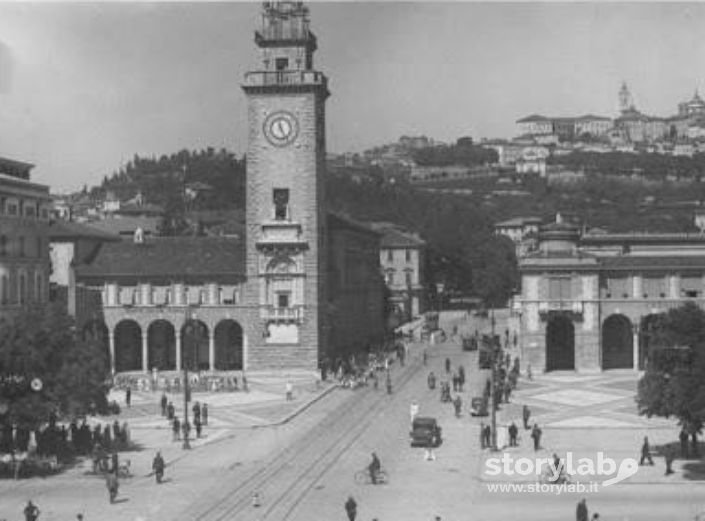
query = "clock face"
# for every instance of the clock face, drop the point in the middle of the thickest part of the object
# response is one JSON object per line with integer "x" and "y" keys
{"x": 281, "y": 128}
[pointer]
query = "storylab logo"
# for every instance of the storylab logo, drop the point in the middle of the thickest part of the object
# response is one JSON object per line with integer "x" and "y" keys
{"x": 606, "y": 471}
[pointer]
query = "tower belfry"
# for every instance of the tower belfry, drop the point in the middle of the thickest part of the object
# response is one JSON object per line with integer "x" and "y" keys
{"x": 625, "y": 98}
{"x": 286, "y": 214}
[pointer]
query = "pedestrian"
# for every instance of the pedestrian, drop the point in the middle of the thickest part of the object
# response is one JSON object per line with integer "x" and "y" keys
{"x": 111, "y": 483}
{"x": 536, "y": 436}
{"x": 483, "y": 445}
{"x": 488, "y": 436}
{"x": 669, "y": 456}
{"x": 581, "y": 511}
{"x": 204, "y": 414}
{"x": 507, "y": 391}
{"x": 117, "y": 435}
{"x": 197, "y": 424}
{"x": 458, "y": 405}
{"x": 170, "y": 411}
{"x": 683, "y": 437}
{"x": 425, "y": 357}
{"x": 351, "y": 508}
{"x": 455, "y": 382}
{"x": 461, "y": 378}
{"x": 526, "y": 414}
{"x": 431, "y": 380}
{"x": 125, "y": 434}
{"x": 31, "y": 512}
{"x": 646, "y": 452}
{"x": 196, "y": 411}
{"x": 175, "y": 429}
{"x": 413, "y": 410}
{"x": 289, "y": 391}
{"x": 128, "y": 396}
{"x": 79, "y": 517}
{"x": 448, "y": 365}
{"x": 163, "y": 403}
{"x": 389, "y": 384}
{"x": 186, "y": 428}
{"x": 513, "y": 432}
{"x": 158, "y": 466}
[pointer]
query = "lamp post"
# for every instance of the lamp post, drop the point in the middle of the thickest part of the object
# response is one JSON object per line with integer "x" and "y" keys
{"x": 493, "y": 394}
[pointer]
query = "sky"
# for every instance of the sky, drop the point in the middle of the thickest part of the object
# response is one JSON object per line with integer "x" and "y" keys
{"x": 86, "y": 86}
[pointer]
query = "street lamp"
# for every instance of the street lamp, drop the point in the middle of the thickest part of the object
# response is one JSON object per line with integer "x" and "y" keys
{"x": 191, "y": 333}
{"x": 493, "y": 393}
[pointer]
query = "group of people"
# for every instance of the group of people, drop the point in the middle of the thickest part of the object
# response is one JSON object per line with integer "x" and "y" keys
{"x": 200, "y": 418}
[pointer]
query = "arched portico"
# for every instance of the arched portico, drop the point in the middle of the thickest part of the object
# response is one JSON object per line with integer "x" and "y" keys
{"x": 128, "y": 346}
{"x": 617, "y": 343}
{"x": 228, "y": 345}
{"x": 560, "y": 344}
{"x": 195, "y": 345}
{"x": 161, "y": 342}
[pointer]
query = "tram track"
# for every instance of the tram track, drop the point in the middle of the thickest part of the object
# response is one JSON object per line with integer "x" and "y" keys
{"x": 289, "y": 475}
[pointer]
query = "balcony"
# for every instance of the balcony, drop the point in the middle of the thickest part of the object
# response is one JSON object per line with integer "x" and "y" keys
{"x": 572, "y": 308}
{"x": 277, "y": 314}
{"x": 285, "y": 78}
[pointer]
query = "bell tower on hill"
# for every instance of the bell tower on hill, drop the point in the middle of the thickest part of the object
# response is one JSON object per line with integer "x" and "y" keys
{"x": 286, "y": 213}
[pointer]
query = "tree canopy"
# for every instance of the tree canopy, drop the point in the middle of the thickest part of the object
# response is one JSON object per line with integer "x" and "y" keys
{"x": 40, "y": 344}
{"x": 674, "y": 381}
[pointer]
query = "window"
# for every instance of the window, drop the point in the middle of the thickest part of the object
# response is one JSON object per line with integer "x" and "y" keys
{"x": 283, "y": 300}
{"x": 408, "y": 278}
{"x": 390, "y": 255}
{"x": 390, "y": 278}
{"x": 408, "y": 255}
{"x": 281, "y": 203}
{"x": 559, "y": 288}
{"x": 281, "y": 64}
{"x": 12, "y": 209}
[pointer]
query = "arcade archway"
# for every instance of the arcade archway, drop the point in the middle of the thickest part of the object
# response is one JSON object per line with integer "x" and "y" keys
{"x": 228, "y": 345}
{"x": 161, "y": 342}
{"x": 560, "y": 344}
{"x": 617, "y": 343}
{"x": 194, "y": 343}
{"x": 128, "y": 346}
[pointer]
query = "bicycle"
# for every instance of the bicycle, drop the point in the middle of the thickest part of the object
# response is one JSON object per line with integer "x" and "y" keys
{"x": 362, "y": 477}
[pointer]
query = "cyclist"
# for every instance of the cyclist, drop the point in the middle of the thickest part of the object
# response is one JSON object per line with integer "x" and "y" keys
{"x": 374, "y": 468}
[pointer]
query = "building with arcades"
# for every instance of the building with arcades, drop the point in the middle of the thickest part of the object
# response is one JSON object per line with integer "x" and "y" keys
{"x": 302, "y": 285}
{"x": 587, "y": 301}
{"x": 24, "y": 245}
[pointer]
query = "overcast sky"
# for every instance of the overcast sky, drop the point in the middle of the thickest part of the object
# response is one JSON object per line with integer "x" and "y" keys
{"x": 83, "y": 87}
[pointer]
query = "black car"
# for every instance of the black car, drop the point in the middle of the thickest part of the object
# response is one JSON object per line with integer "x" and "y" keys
{"x": 425, "y": 432}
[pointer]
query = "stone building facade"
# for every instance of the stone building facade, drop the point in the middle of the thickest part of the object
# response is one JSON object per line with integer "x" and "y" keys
{"x": 587, "y": 302}
{"x": 24, "y": 246}
{"x": 303, "y": 284}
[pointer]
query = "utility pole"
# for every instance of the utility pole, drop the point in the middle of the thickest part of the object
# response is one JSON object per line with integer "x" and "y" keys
{"x": 493, "y": 364}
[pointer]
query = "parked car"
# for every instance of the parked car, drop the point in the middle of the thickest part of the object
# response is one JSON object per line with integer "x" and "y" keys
{"x": 425, "y": 432}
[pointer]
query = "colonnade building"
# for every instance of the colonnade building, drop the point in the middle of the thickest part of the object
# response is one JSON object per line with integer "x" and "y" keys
{"x": 587, "y": 301}
{"x": 303, "y": 283}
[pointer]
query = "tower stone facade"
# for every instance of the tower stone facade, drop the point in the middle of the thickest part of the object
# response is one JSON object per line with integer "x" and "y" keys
{"x": 286, "y": 225}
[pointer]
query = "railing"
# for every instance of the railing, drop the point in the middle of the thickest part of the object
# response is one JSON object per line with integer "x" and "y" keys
{"x": 575, "y": 307}
{"x": 291, "y": 314}
{"x": 264, "y": 78}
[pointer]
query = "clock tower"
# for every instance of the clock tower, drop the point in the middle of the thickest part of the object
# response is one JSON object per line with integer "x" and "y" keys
{"x": 286, "y": 213}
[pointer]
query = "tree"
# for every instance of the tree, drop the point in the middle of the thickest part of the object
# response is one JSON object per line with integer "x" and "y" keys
{"x": 674, "y": 382}
{"x": 40, "y": 345}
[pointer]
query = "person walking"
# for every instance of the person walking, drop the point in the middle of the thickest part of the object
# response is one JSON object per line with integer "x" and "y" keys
{"x": 536, "y": 436}
{"x": 431, "y": 380}
{"x": 646, "y": 452}
{"x": 176, "y": 429}
{"x": 513, "y": 433}
{"x": 413, "y": 411}
{"x": 128, "y": 396}
{"x": 163, "y": 402}
{"x": 448, "y": 365}
{"x": 351, "y": 508}
{"x": 389, "y": 384}
{"x": 488, "y": 436}
{"x": 204, "y": 414}
{"x": 198, "y": 425}
{"x": 581, "y": 511}
{"x": 289, "y": 391}
{"x": 683, "y": 437}
{"x": 31, "y": 512}
{"x": 461, "y": 378}
{"x": 526, "y": 414}
{"x": 170, "y": 411}
{"x": 111, "y": 483}
{"x": 196, "y": 409}
{"x": 158, "y": 466}
{"x": 458, "y": 405}
{"x": 669, "y": 456}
